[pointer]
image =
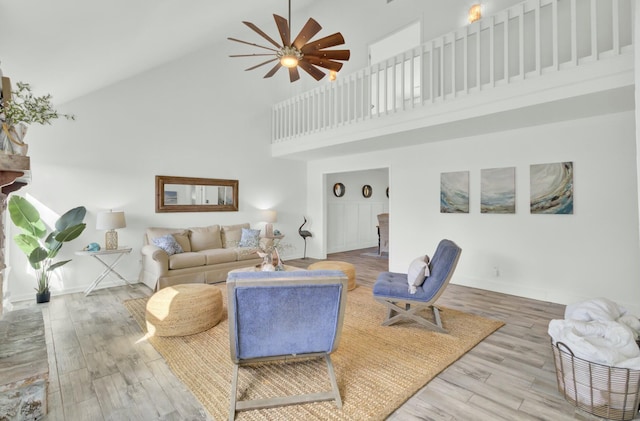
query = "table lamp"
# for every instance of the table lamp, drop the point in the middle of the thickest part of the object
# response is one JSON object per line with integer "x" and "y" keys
{"x": 110, "y": 221}
{"x": 269, "y": 216}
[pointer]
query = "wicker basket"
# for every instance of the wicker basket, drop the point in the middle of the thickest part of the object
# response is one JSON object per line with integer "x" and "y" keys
{"x": 608, "y": 392}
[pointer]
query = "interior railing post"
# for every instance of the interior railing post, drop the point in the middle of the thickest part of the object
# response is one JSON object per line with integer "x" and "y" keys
{"x": 334, "y": 103}
{"x": 385, "y": 85}
{"x": 574, "y": 33}
{"x": 453, "y": 65}
{"x": 441, "y": 75}
{"x": 521, "y": 41}
{"x": 465, "y": 60}
{"x": 433, "y": 82}
{"x": 615, "y": 25}
{"x": 506, "y": 47}
{"x": 492, "y": 49}
{"x": 538, "y": 34}
{"x": 478, "y": 57}
{"x": 594, "y": 30}
{"x": 395, "y": 83}
{"x": 554, "y": 36}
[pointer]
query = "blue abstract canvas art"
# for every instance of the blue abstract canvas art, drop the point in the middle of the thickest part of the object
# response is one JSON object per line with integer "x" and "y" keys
{"x": 498, "y": 190}
{"x": 552, "y": 188}
{"x": 454, "y": 192}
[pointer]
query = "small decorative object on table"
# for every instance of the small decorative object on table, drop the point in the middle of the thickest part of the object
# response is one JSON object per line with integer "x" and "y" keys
{"x": 92, "y": 247}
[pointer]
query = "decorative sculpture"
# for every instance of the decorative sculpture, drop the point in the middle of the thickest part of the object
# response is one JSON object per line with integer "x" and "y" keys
{"x": 304, "y": 234}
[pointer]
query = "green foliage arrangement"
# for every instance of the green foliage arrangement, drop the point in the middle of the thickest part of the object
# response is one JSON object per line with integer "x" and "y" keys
{"x": 40, "y": 248}
{"x": 25, "y": 107}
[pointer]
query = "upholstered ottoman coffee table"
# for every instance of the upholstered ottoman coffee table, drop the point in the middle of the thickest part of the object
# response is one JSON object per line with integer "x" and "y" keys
{"x": 182, "y": 310}
{"x": 347, "y": 268}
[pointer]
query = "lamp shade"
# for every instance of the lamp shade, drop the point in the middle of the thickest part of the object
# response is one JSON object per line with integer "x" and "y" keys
{"x": 110, "y": 220}
{"x": 269, "y": 215}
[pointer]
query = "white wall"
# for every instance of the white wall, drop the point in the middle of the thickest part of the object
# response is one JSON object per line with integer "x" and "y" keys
{"x": 558, "y": 258}
{"x": 352, "y": 218}
{"x": 200, "y": 117}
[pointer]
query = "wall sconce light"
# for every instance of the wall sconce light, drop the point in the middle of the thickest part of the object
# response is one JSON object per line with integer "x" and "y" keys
{"x": 110, "y": 221}
{"x": 333, "y": 75}
{"x": 475, "y": 12}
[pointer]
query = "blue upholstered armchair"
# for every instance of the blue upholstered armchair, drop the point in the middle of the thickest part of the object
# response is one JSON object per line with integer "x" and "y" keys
{"x": 392, "y": 288}
{"x": 284, "y": 315}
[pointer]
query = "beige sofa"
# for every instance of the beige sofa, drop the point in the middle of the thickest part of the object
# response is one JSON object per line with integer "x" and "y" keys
{"x": 209, "y": 253}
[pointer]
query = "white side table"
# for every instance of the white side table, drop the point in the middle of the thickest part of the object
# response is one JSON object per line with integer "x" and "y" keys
{"x": 109, "y": 267}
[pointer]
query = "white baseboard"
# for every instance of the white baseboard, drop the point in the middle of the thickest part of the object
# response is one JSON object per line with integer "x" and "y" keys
{"x": 557, "y": 295}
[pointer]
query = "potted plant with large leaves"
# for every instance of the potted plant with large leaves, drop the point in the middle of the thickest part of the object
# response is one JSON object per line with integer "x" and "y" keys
{"x": 40, "y": 248}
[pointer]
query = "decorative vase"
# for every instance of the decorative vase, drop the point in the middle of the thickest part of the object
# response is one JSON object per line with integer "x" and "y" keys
{"x": 43, "y": 297}
{"x": 11, "y": 139}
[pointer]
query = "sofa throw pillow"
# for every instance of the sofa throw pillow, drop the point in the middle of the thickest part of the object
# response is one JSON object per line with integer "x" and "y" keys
{"x": 205, "y": 238}
{"x": 168, "y": 243}
{"x": 249, "y": 238}
{"x": 418, "y": 272}
{"x": 181, "y": 236}
{"x": 231, "y": 234}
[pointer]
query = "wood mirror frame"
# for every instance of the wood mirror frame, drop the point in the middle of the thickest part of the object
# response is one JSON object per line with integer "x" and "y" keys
{"x": 189, "y": 194}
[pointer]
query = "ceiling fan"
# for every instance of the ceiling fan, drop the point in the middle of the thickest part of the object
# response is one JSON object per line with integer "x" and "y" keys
{"x": 300, "y": 52}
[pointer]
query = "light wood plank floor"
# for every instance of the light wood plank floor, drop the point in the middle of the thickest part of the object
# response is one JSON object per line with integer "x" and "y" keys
{"x": 101, "y": 370}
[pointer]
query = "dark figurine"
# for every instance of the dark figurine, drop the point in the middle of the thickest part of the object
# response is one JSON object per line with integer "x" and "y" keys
{"x": 304, "y": 234}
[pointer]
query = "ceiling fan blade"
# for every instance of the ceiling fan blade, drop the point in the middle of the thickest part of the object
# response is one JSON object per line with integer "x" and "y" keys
{"x": 274, "y": 70}
{"x": 261, "y": 64}
{"x": 250, "y": 55}
{"x": 259, "y": 31}
{"x": 322, "y": 43}
{"x": 309, "y": 30}
{"x": 331, "y": 54}
{"x": 316, "y": 73}
{"x": 283, "y": 28}
{"x": 293, "y": 74}
{"x": 251, "y": 43}
{"x": 327, "y": 64}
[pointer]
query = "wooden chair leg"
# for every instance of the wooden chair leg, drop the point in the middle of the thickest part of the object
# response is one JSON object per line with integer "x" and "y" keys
{"x": 395, "y": 313}
{"x": 273, "y": 402}
{"x": 436, "y": 316}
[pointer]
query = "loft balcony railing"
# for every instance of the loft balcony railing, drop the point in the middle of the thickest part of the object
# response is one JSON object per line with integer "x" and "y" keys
{"x": 526, "y": 41}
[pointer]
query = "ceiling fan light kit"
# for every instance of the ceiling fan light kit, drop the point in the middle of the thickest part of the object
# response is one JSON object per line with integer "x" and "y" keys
{"x": 301, "y": 52}
{"x": 289, "y": 56}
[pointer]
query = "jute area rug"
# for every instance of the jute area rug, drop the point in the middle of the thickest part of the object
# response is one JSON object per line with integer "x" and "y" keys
{"x": 378, "y": 368}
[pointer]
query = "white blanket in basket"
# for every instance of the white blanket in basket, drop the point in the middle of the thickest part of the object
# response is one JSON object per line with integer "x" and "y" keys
{"x": 599, "y": 331}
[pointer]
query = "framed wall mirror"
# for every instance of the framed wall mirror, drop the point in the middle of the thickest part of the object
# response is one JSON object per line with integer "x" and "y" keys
{"x": 190, "y": 194}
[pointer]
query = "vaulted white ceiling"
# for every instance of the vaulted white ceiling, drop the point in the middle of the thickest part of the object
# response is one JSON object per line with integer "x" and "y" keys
{"x": 72, "y": 47}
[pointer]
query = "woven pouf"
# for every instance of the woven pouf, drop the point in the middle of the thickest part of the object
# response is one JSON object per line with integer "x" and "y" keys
{"x": 347, "y": 268}
{"x": 183, "y": 310}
